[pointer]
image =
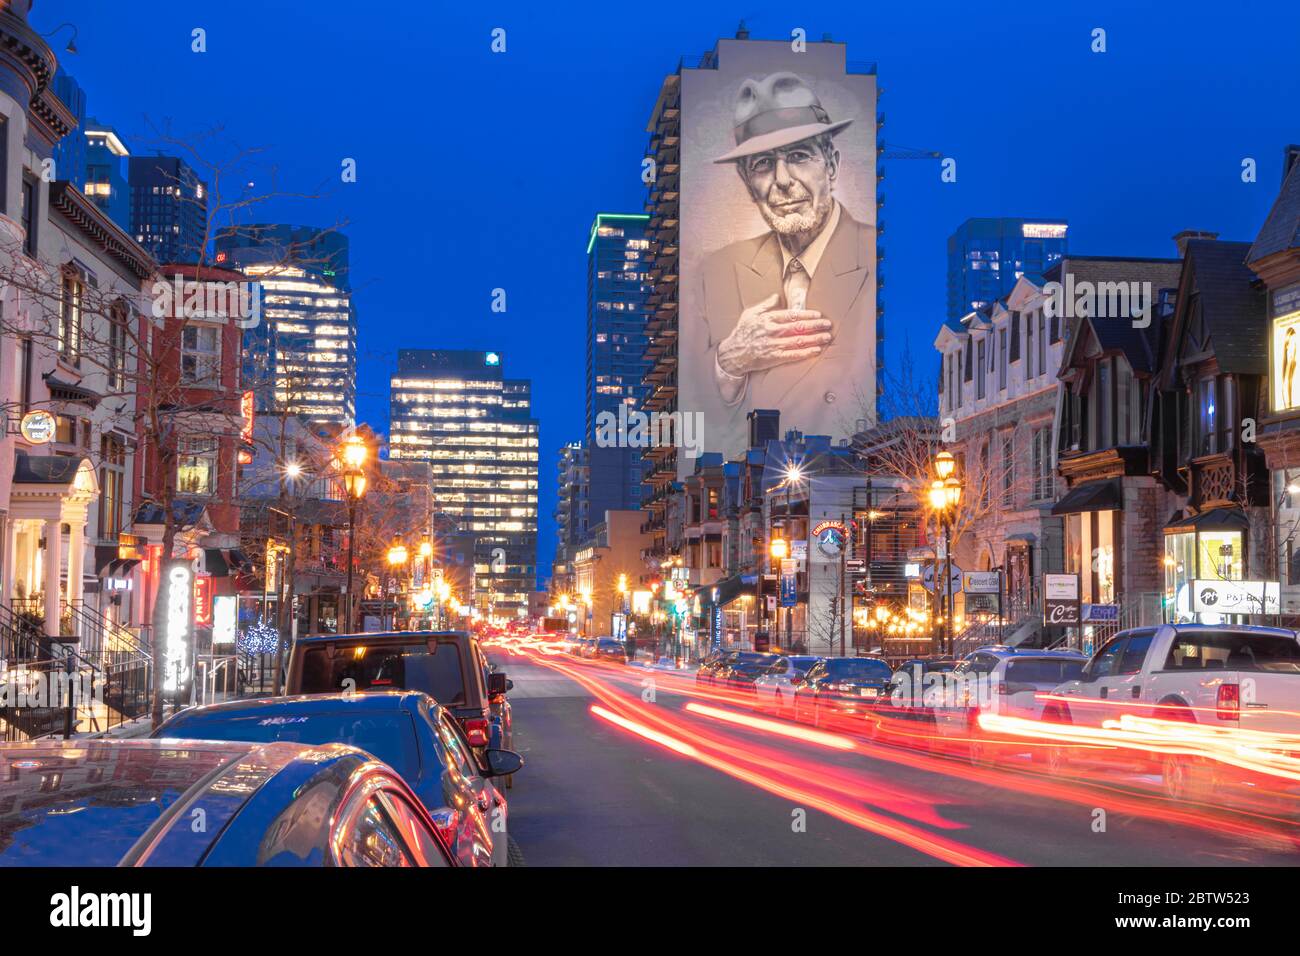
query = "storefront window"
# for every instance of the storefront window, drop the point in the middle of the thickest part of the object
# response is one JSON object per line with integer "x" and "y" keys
{"x": 1180, "y": 552}
{"x": 1220, "y": 555}
{"x": 1210, "y": 555}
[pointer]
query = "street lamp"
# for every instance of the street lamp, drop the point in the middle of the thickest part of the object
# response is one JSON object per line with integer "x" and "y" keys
{"x": 945, "y": 495}
{"x": 354, "y": 484}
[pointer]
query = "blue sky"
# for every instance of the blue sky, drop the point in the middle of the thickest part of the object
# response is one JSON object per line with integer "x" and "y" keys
{"x": 478, "y": 170}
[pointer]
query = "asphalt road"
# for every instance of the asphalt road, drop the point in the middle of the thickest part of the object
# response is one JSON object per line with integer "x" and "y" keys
{"x": 594, "y": 794}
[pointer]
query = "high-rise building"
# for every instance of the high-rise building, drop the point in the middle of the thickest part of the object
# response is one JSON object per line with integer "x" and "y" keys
{"x": 572, "y": 511}
{"x": 301, "y": 357}
{"x": 618, "y": 284}
{"x": 169, "y": 208}
{"x": 69, "y": 154}
{"x": 105, "y": 182}
{"x": 987, "y": 256}
{"x": 456, "y": 409}
{"x": 730, "y": 231}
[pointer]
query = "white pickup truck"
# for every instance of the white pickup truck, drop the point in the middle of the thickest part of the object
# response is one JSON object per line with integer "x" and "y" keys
{"x": 1239, "y": 684}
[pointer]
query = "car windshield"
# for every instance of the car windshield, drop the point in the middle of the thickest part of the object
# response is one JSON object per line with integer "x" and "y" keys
{"x": 390, "y": 737}
{"x": 1234, "y": 651}
{"x": 407, "y": 667}
{"x": 1043, "y": 670}
{"x": 856, "y": 668}
{"x": 610, "y": 643}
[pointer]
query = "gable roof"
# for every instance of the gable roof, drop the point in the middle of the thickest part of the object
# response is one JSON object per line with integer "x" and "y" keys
{"x": 1281, "y": 229}
{"x": 1233, "y": 304}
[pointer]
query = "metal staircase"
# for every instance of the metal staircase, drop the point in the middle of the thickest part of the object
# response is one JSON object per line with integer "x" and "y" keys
{"x": 48, "y": 687}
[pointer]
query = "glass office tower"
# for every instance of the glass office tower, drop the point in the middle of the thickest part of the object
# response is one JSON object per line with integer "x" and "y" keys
{"x": 618, "y": 284}
{"x": 456, "y": 410}
{"x": 987, "y": 256}
{"x": 169, "y": 208}
{"x": 301, "y": 357}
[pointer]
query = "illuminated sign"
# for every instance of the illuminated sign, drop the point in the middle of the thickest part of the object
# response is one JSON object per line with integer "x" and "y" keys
{"x": 38, "y": 427}
{"x": 492, "y": 359}
{"x": 1043, "y": 230}
{"x": 202, "y": 600}
{"x": 224, "y": 608}
{"x": 1286, "y": 362}
{"x": 180, "y": 595}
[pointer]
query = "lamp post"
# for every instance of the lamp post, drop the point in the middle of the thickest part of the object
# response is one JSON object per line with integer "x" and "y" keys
{"x": 779, "y": 550}
{"x": 398, "y": 555}
{"x": 353, "y": 454}
{"x": 354, "y": 483}
{"x": 945, "y": 495}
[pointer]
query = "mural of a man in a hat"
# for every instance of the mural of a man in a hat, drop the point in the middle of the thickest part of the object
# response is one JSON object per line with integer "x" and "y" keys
{"x": 784, "y": 313}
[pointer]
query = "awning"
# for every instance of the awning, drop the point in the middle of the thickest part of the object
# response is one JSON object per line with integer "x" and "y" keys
{"x": 223, "y": 562}
{"x": 1216, "y": 519}
{"x": 729, "y": 589}
{"x": 1104, "y": 495}
{"x": 109, "y": 565}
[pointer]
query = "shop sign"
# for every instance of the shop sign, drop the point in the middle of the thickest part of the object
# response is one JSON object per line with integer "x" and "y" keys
{"x": 982, "y": 582}
{"x": 38, "y": 427}
{"x": 1061, "y": 599}
{"x": 1236, "y": 597}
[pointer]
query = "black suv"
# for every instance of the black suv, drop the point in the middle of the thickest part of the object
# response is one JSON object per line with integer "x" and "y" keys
{"x": 447, "y": 665}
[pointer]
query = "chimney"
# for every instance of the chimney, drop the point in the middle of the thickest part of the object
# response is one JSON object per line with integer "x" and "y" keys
{"x": 742, "y": 31}
{"x": 1187, "y": 235}
{"x": 1290, "y": 155}
{"x": 764, "y": 426}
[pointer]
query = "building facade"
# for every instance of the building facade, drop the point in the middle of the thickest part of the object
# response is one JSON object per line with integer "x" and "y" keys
{"x": 301, "y": 358}
{"x": 987, "y": 256}
{"x": 1274, "y": 257}
{"x": 169, "y": 208}
{"x": 458, "y": 411}
{"x": 997, "y": 401}
{"x": 618, "y": 284}
{"x": 105, "y": 180}
{"x": 70, "y": 301}
{"x": 1113, "y": 505}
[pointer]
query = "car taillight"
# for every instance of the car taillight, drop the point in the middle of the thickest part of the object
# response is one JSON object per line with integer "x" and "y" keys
{"x": 476, "y": 729}
{"x": 1228, "y": 704}
{"x": 1002, "y": 688}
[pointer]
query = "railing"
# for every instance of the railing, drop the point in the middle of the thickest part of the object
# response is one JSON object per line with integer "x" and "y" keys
{"x": 50, "y": 687}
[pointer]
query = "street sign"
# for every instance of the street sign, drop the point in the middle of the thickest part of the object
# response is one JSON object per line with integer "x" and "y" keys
{"x": 855, "y": 565}
{"x": 982, "y": 582}
{"x": 1061, "y": 599}
{"x": 1236, "y": 597}
{"x": 928, "y": 577}
{"x": 789, "y": 582}
{"x": 1101, "y": 612}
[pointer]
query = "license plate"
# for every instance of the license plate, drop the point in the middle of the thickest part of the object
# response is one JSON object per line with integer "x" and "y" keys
{"x": 868, "y": 691}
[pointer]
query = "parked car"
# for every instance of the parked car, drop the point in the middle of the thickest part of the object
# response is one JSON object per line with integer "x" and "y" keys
{"x": 774, "y": 688}
{"x": 610, "y": 649}
{"x": 1226, "y": 676}
{"x": 449, "y": 666}
{"x": 840, "y": 686}
{"x": 741, "y": 674}
{"x": 134, "y": 803}
{"x": 1003, "y": 681}
{"x": 707, "y": 672}
{"x": 407, "y": 730}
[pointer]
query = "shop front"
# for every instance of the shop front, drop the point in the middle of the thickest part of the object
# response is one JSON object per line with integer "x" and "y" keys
{"x": 1209, "y": 546}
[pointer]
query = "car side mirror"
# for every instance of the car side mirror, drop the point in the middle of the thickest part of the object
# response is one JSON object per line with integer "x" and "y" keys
{"x": 501, "y": 763}
{"x": 497, "y": 684}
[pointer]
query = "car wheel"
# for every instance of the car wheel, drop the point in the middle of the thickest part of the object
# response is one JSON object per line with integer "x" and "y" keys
{"x": 1182, "y": 777}
{"x": 514, "y": 855}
